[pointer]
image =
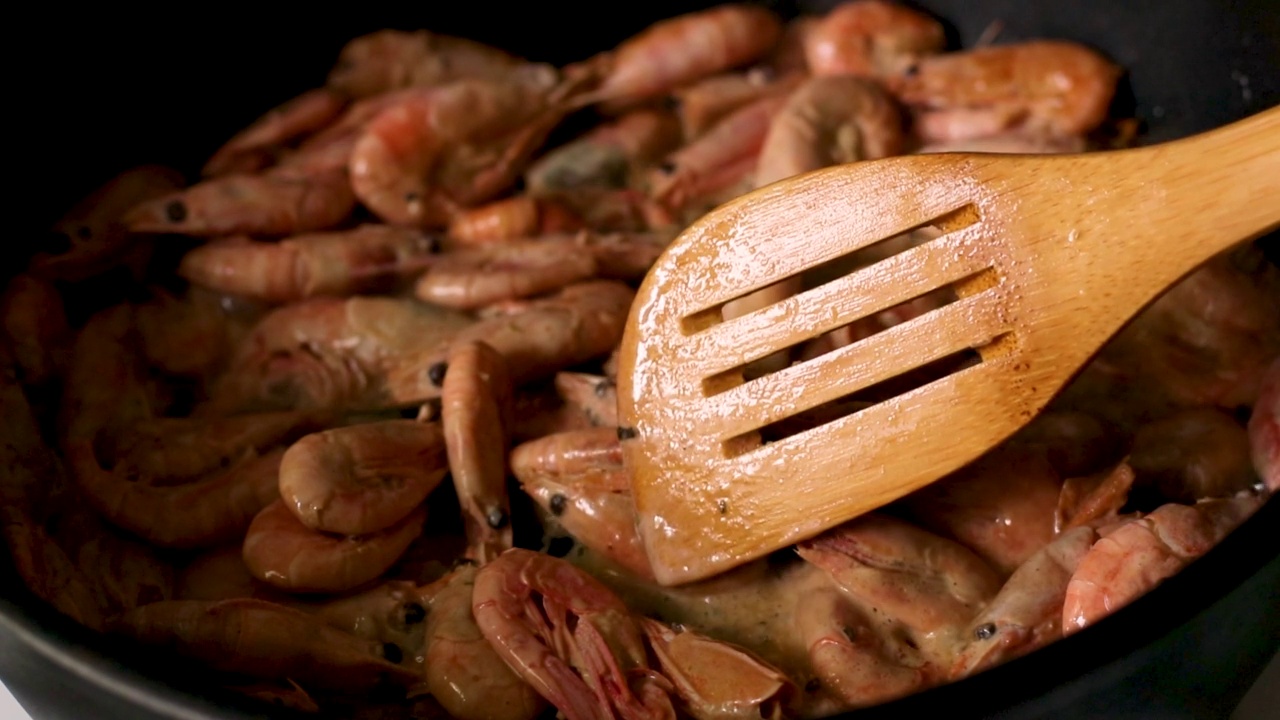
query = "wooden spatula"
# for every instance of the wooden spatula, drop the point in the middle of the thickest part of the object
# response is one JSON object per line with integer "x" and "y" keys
{"x": 1048, "y": 255}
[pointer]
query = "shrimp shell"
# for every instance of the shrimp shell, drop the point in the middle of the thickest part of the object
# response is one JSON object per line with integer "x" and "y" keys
{"x": 388, "y": 60}
{"x": 870, "y": 38}
{"x": 302, "y": 115}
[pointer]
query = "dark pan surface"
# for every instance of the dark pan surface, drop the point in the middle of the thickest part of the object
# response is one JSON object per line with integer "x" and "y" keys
{"x": 98, "y": 91}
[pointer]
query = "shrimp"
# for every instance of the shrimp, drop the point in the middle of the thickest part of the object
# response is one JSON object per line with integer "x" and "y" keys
{"x": 1002, "y": 506}
{"x": 579, "y": 323}
{"x": 870, "y": 38}
{"x": 1076, "y": 443}
{"x": 578, "y": 479}
{"x": 607, "y": 156}
{"x": 332, "y": 353}
{"x": 389, "y": 60}
{"x": 1027, "y": 612}
{"x": 463, "y": 671}
{"x": 192, "y": 335}
{"x": 716, "y": 680}
{"x": 365, "y": 259}
{"x": 204, "y": 513}
{"x": 722, "y": 158}
{"x": 482, "y": 276}
{"x": 475, "y": 413}
{"x": 925, "y": 582}
{"x": 788, "y": 55}
{"x": 1264, "y": 430}
{"x": 35, "y": 326}
{"x": 606, "y": 210}
{"x": 595, "y": 396}
{"x": 850, "y": 656}
{"x": 1193, "y": 454}
{"x": 106, "y": 386}
{"x": 1039, "y": 87}
{"x": 1095, "y": 499}
{"x": 280, "y": 551}
{"x": 121, "y": 573}
{"x": 1131, "y": 559}
{"x": 363, "y": 478}
{"x": 253, "y": 148}
{"x": 167, "y": 451}
{"x": 701, "y": 105}
{"x": 393, "y": 612}
{"x": 282, "y": 201}
{"x": 220, "y": 574}
{"x": 264, "y": 640}
{"x": 91, "y": 238}
{"x": 827, "y": 121}
{"x": 684, "y": 49}
{"x": 516, "y": 217}
{"x": 568, "y": 636}
{"x": 440, "y": 150}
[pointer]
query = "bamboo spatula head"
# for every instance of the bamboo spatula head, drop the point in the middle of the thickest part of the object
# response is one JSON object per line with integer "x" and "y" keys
{"x": 1047, "y": 258}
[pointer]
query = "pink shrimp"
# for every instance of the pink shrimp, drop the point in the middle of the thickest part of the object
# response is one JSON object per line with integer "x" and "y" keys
{"x": 254, "y": 148}
{"x": 870, "y": 38}
{"x": 440, "y": 150}
{"x": 701, "y": 105}
{"x": 363, "y": 478}
{"x": 364, "y": 259}
{"x": 568, "y": 636}
{"x": 607, "y": 156}
{"x": 282, "y": 201}
{"x": 91, "y": 238}
{"x": 1027, "y": 612}
{"x": 1131, "y": 559}
{"x": 684, "y": 49}
{"x": 1039, "y": 87}
{"x": 475, "y": 413}
{"x": 595, "y": 396}
{"x": 1264, "y": 430}
{"x": 463, "y": 671}
{"x": 517, "y": 217}
{"x": 389, "y": 60}
{"x": 280, "y": 551}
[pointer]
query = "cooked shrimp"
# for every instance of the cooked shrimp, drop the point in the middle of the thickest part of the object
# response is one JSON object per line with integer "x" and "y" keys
{"x": 249, "y": 149}
{"x": 788, "y": 55}
{"x": 475, "y": 413}
{"x": 871, "y": 38}
{"x": 722, "y": 158}
{"x": 440, "y": 150}
{"x": 194, "y": 334}
{"x": 393, "y": 59}
{"x": 1038, "y": 87}
{"x": 1195, "y": 453}
{"x": 331, "y": 353}
{"x": 568, "y": 636}
{"x": 606, "y": 210}
{"x": 1264, "y": 430}
{"x": 595, "y": 396}
{"x": 264, "y": 640}
{"x": 578, "y": 479}
{"x": 684, "y": 49}
{"x": 607, "y": 156}
{"x": 901, "y": 572}
{"x": 34, "y": 323}
{"x": 365, "y": 259}
{"x": 463, "y": 671}
{"x": 516, "y": 217}
{"x": 1138, "y": 555}
{"x": 91, "y": 238}
{"x": 701, "y": 105}
{"x": 283, "y": 201}
{"x": 220, "y": 574}
{"x": 1001, "y": 507}
{"x": 106, "y": 387}
{"x": 204, "y": 513}
{"x": 122, "y": 573}
{"x": 715, "y": 680}
{"x": 280, "y": 551}
{"x": 1093, "y": 500}
{"x": 362, "y": 479}
{"x": 1027, "y": 612}
{"x": 393, "y": 612}
{"x": 850, "y": 656}
{"x": 579, "y": 323}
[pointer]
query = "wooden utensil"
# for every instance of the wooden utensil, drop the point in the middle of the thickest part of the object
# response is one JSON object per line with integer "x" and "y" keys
{"x": 1048, "y": 255}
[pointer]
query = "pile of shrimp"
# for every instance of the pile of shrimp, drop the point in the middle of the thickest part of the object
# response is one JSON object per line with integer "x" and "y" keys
{"x": 361, "y": 456}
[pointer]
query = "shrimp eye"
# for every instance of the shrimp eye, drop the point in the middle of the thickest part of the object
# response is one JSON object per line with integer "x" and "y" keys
{"x": 603, "y": 387}
{"x": 985, "y": 631}
{"x": 626, "y": 433}
{"x": 392, "y": 653}
{"x": 912, "y": 70}
{"x": 413, "y": 613}
{"x": 176, "y": 211}
{"x": 813, "y": 685}
{"x": 84, "y": 232}
{"x": 671, "y": 102}
{"x": 667, "y": 167}
{"x": 496, "y": 518}
{"x": 557, "y": 504}
{"x": 436, "y": 372}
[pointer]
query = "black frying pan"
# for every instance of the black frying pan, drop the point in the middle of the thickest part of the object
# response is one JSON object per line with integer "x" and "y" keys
{"x": 98, "y": 91}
